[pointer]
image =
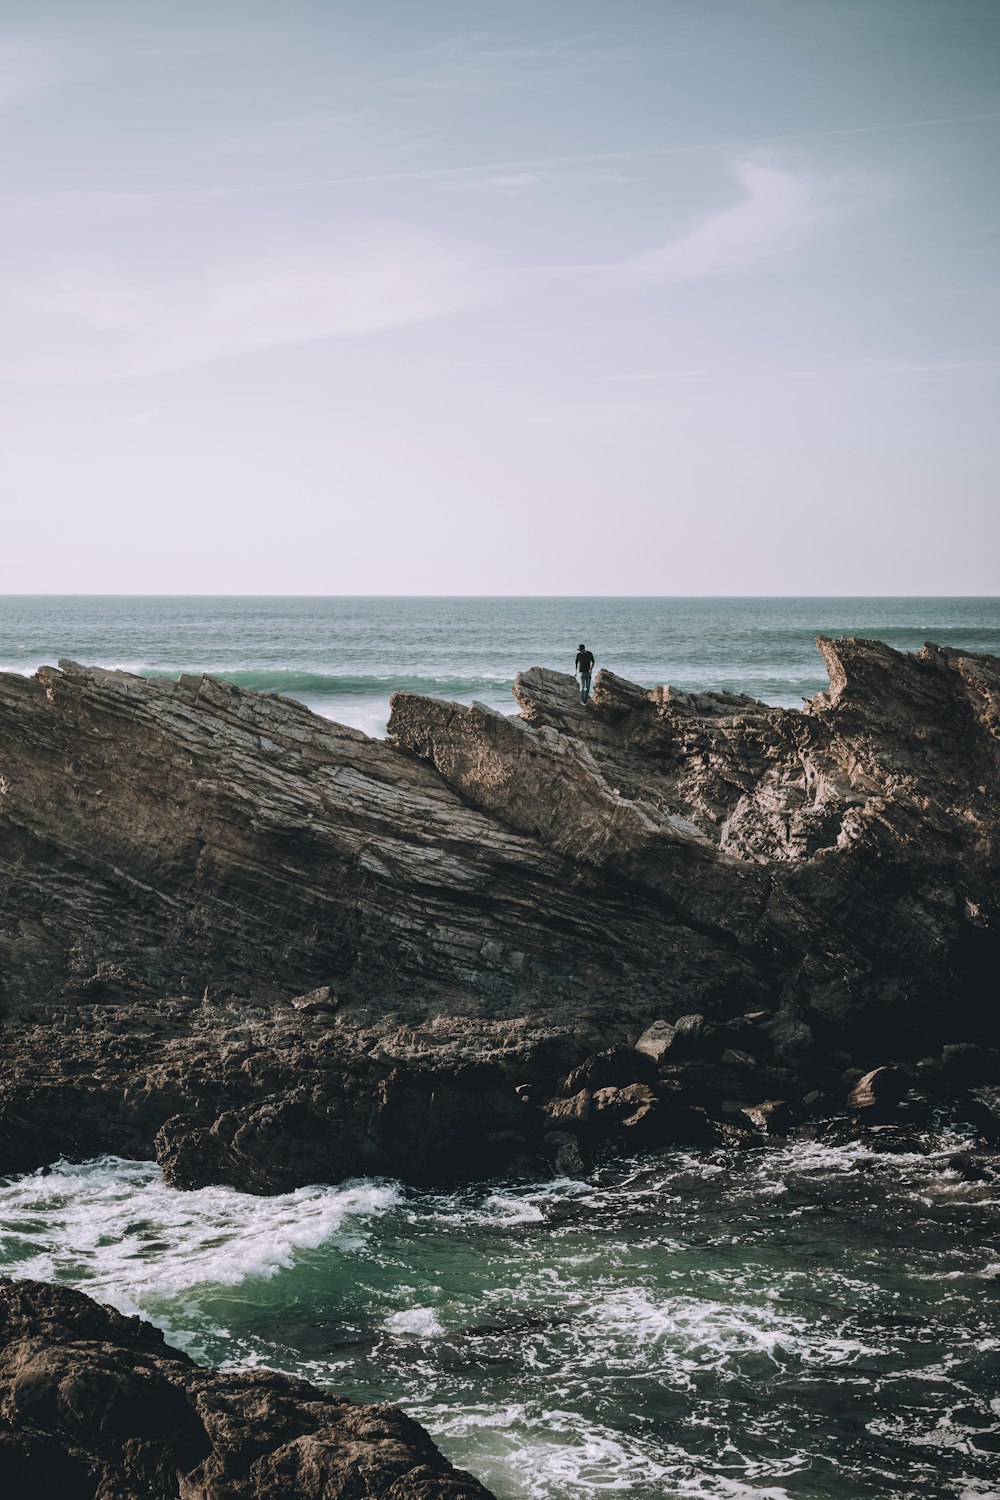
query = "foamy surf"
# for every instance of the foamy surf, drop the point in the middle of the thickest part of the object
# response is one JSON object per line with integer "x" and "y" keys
{"x": 760, "y": 1325}
{"x": 115, "y": 1229}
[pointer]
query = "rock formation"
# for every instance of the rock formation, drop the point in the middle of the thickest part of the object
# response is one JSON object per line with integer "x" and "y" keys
{"x": 95, "y": 1405}
{"x": 277, "y": 951}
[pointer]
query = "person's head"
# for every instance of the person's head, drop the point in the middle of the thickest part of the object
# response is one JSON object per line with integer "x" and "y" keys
{"x": 581, "y": 647}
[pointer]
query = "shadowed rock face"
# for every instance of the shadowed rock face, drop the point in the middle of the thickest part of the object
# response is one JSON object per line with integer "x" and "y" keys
{"x": 284, "y": 952}
{"x": 93, "y": 1404}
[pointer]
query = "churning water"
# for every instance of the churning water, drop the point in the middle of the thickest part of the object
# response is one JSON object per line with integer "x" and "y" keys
{"x": 797, "y": 1321}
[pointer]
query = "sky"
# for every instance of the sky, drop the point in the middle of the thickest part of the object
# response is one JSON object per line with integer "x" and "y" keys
{"x": 528, "y": 297}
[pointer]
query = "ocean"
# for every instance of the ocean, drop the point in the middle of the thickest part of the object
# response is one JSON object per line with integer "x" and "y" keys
{"x": 344, "y": 656}
{"x": 800, "y": 1322}
{"x": 790, "y": 1323}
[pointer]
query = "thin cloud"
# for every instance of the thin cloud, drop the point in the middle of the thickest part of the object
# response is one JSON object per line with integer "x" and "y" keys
{"x": 584, "y": 158}
{"x": 523, "y": 164}
{"x": 110, "y": 289}
{"x": 466, "y": 62}
{"x": 508, "y": 183}
{"x": 776, "y": 210}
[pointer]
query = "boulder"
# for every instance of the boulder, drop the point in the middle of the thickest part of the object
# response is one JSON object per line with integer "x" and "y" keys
{"x": 634, "y": 1115}
{"x": 772, "y": 1116}
{"x": 688, "y": 1028}
{"x": 655, "y": 1040}
{"x": 318, "y": 1002}
{"x": 734, "y": 1058}
{"x": 705, "y": 1082}
{"x": 568, "y": 1114}
{"x": 790, "y": 1037}
{"x": 565, "y": 1154}
{"x": 882, "y": 1088}
{"x": 95, "y": 1403}
{"x": 611, "y": 1068}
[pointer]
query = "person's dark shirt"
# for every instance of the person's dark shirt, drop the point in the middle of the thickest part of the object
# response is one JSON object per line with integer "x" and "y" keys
{"x": 584, "y": 662}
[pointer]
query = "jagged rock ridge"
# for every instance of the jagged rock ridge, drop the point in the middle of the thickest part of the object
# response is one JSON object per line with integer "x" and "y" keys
{"x": 475, "y": 908}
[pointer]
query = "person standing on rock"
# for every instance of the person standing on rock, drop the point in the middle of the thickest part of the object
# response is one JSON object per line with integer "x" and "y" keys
{"x": 583, "y": 666}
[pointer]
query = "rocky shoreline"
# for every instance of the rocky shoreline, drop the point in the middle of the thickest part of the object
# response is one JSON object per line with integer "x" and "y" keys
{"x": 271, "y": 951}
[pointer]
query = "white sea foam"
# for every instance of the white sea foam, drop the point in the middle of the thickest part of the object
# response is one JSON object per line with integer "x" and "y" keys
{"x": 115, "y": 1229}
{"x": 524, "y": 1210}
{"x": 678, "y": 1335}
{"x": 532, "y": 1455}
{"x": 419, "y": 1322}
{"x": 371, "y": 717}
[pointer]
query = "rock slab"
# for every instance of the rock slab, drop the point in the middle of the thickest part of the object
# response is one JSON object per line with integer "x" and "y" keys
{"x": 96, "y": 1406}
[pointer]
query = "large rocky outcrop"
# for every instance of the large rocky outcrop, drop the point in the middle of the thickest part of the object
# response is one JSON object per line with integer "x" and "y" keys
{"x": 276, "y": 951}
{"x": 94, "y": 1405}
{"x": 849, "y": 851}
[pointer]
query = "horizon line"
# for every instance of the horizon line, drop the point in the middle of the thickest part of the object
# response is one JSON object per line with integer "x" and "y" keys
{"x": 28, "y": 594}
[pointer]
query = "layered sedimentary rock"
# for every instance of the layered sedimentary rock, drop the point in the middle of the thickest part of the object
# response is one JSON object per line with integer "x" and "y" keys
{"x": 93, "y": 1404}
{"x": 277, "y": 951}
{"x": 848, "y": 852}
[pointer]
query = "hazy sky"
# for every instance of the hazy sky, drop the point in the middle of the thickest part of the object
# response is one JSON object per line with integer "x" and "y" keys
{"x": 528, "y": 296}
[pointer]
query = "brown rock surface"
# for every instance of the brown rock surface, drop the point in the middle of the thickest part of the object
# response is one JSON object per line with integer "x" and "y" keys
{"x": 285, "y": 952}
{"x": 96, "y": 1405}
{"x": 848, "y": 853}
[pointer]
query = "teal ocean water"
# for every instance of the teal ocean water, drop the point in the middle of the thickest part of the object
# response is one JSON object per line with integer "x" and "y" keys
{"x": 804, "y": 1322}
{"x": 793, "y": 1323}
{"x": 344, "y": 656}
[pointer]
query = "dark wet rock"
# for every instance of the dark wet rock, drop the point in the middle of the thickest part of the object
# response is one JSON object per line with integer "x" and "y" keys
{"x": 965, "y": 1063}
{"x": 95, "y": 1406}
{"x": 612, "y": 1068}
{"x": 880, "y": 1089}
{"x": 734, "y": 1058}
{"x": 790, "y": 1037}
{"x": 656, "y": 1040}
{"x": 704, "y": 1081}
{"x": 283, "y": 951}
{"x": 893, "y": 1140}
{"x": 689, "y": 1028}
{"x": 565, "y": 1154}
{"x": 981, "y": 1109}
{"x": 968, "y": 1167}
{"x": 772, "y": 1116}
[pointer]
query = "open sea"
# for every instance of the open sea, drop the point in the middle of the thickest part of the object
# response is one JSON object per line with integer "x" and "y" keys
{"x": 791, "y": 1323}
{"x": 344, "y": 656}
